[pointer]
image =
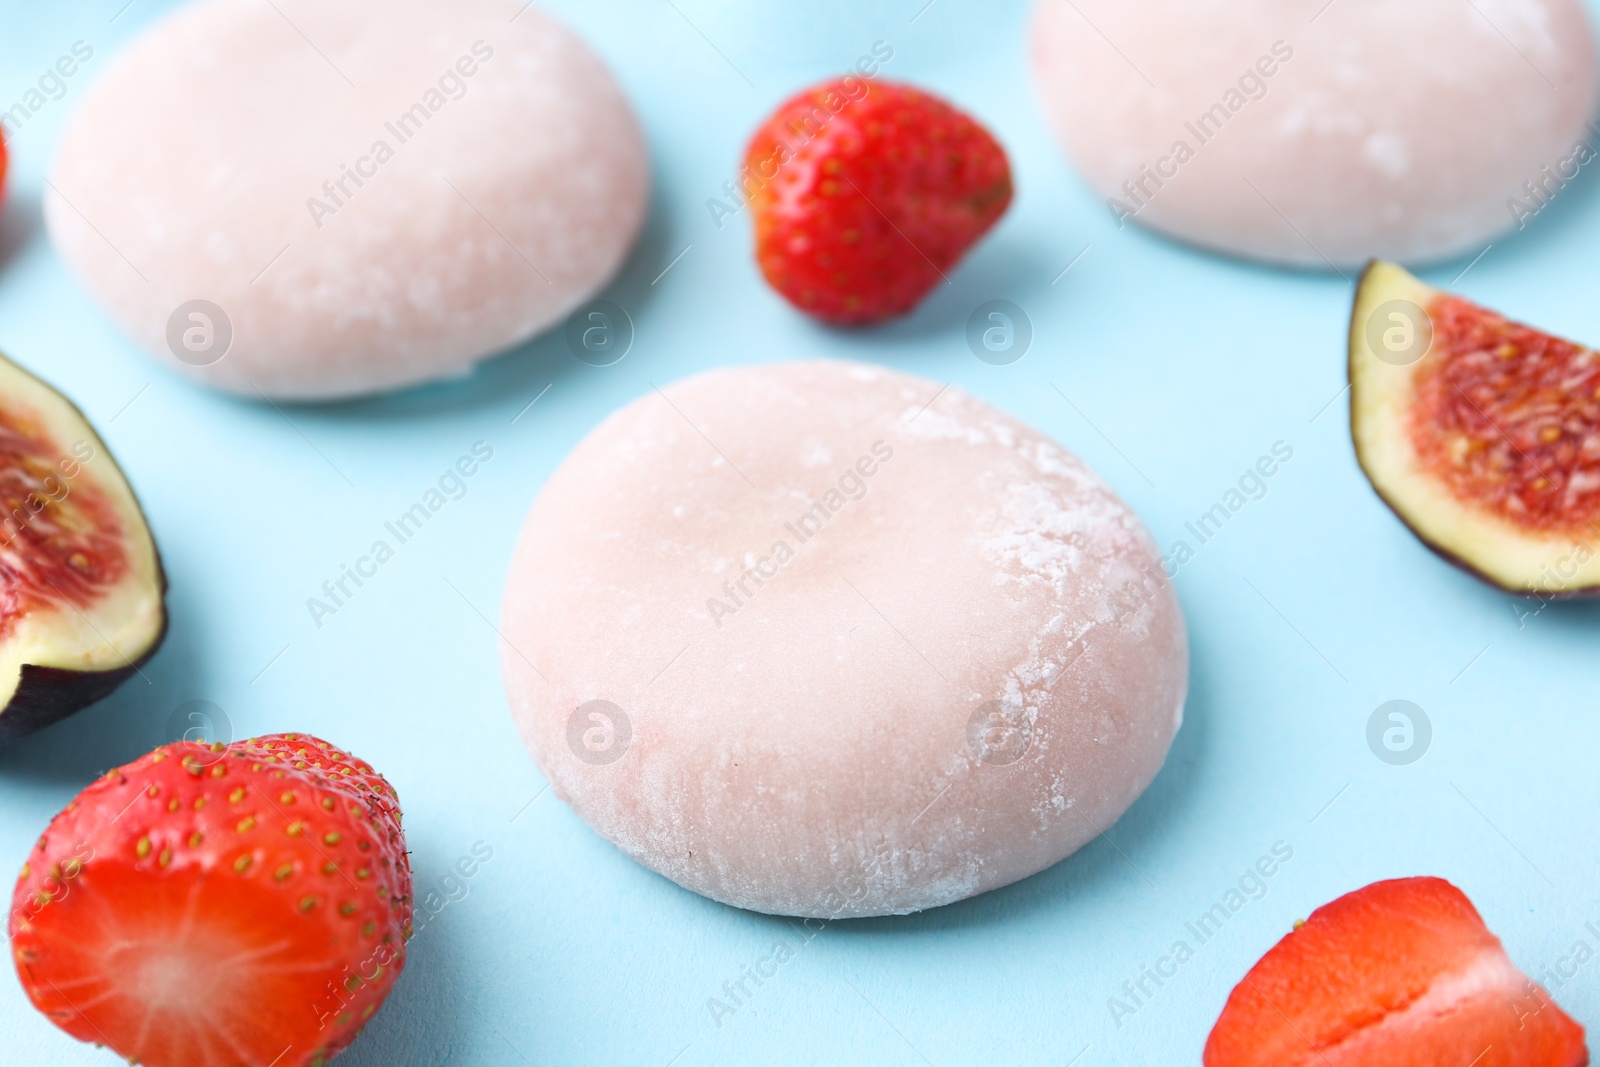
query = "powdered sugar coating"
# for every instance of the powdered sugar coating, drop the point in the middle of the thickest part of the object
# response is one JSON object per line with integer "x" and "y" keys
{"x": 231, "y": 154}
{"x": 808, "y": 752}
{"x": 1346, "y": 131}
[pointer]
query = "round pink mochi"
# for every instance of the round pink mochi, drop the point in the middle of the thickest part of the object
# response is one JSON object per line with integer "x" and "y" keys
{"x": 363, "y": 195}
{"x": 822, "y": 639}
{"x": 1322, "y": 134}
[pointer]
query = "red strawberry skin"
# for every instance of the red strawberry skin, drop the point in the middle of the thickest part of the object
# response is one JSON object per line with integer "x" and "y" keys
{"x": 866, "y": 194}
{"x": 213, "y": 906}
{"x": 1402, "y": 973}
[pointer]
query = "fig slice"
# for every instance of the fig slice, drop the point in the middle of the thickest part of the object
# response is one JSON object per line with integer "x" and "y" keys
{"x": 1481, "y": 434}
{"x": 82, "y": 592}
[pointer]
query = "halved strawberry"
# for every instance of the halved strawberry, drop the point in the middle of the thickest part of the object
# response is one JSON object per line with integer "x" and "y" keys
{"x": 866, "y": 193}
{"x": 1402, "y": 973}
{"x": 212, "y": 906}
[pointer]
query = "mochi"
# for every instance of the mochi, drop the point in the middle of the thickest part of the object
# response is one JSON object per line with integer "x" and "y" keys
{"x": 1321, "y": 134}
{"x": 316, "y": 199}
{"x": 822, "y": 639}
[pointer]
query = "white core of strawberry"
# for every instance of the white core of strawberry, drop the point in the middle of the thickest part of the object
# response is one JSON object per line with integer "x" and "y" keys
{"x": 1489, "y": 978}
{"x": 167, "y": 980}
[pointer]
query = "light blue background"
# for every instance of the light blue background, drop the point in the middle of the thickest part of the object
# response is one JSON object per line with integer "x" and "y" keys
{"x": 1182, "y": 366}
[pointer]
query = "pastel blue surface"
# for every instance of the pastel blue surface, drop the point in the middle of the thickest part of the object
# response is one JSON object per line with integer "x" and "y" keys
{"x": 1311, "y": 607}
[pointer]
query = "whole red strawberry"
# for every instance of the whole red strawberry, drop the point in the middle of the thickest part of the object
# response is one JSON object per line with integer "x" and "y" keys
{"x": 212, "y": 906}
{"x": 865, "y": 194}
{"x": 1402, "y": 973}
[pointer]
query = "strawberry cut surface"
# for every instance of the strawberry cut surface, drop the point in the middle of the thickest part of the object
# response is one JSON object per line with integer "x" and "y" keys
{"x": 866, "y": 194}
{"x": 1509, "y": 418}
{"x": 219, "y": 906}
{"x": 1402, "y": 973}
